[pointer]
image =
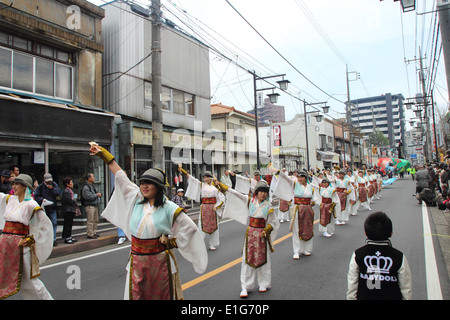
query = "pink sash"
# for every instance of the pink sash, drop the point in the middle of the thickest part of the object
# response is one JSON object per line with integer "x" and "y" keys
{"x": 209, "y": 218}
{"x": 150, "y": 274}
{"x": 305, "y": 222}
{"x": 10, "y": 264}
{"x": 255, "y": 246}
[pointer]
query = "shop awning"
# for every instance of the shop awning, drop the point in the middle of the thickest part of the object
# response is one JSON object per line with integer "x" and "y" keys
{"x": 328, "y": 156}
{"x": 31, "y": 118}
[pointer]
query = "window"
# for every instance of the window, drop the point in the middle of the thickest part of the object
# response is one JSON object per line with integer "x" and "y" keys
{"x": 178, "y": 102}
{"x": 190, "y": 106}
{"x": 63, "y": 76}
{"x": 165, "y": 98}
{"x": 25, "y": 72}
{"x": 44, "y": 76}
{"x": 172, "y": 100}
{"x": 5, "y": 68}
{"x": 22, "y": 72}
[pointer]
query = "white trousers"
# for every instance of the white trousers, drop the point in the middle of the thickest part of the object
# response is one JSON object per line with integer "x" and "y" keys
{"x": 32, "y": 289}
{"x": 213, "y": 238}
{"x": 300, "y": 246}
{"x": 329, "y": 228}
{"x": 249, "y": 275}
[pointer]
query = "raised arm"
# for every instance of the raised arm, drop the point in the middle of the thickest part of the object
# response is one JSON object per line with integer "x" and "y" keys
{"x": 107, "y": 157}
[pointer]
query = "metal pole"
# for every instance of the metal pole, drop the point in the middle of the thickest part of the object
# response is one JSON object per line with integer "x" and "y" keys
{"x": 425, "y": 102}
{"x": 306, "y": 133}
{"x": 348, "y": 117}
{"x": 157, "y": 125}
{"x": 434, "y": 126}
{"x": 258, "y": 166}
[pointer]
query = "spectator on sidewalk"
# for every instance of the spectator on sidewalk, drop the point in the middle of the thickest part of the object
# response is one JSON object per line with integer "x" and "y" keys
{"x": 69, "y": 208}
{"x": 45, "y": 195}
{"x": 91, "y": 199}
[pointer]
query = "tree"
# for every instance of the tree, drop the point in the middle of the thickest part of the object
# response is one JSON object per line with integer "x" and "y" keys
{"x": 377, "y": 138}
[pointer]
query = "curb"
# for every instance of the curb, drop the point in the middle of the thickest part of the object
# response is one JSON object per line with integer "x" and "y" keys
{"x": 107, "y": 236}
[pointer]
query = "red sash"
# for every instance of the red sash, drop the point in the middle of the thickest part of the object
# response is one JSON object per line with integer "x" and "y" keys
{"x": 146, "y": 246}
{"x": 305, "y": 201}
{"x": 208, "y": 217}
{"x": 150, "y": 273}
{"x": 209, "y": 200}
{"x": 255, "y": 245}
{"x": 305, "y": 222}
{"x": 15, "y": 228}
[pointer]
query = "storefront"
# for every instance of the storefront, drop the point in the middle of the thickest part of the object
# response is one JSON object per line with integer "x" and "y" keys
{"x": 196, "y": 151}
{"x": 40, "y": 136}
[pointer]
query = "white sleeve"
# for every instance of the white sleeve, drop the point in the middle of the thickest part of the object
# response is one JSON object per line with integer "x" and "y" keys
{"x": 236, "y": 206}
{"x": 352, "y": 279}
{"x": 194, "y": 189}
{"x": 41, "y": 229}
{"x": 243, "y": 184}
{"x": 121, "y": 205}
{"x": 2, "y": 209}
{"x": 190, "y": 242}
{"x": 284, "y": 188}
{"x": 405, "y": 280}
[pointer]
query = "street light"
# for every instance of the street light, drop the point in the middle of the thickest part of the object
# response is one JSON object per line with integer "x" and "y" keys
{"x": 318, "y": 117}
{"x": 408, "y": 5}
{"x": 273, "y": 99}
{"x": 283, "y": 84}
{"x": 418, "y": 113}
{"x": 326, "y": 109}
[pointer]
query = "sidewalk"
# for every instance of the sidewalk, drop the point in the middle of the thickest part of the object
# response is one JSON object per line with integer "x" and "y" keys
{"x": 107, "y": 235}
{"x": 441, "y": 220}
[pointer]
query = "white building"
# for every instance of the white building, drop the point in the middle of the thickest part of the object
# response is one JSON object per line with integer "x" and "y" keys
{"x": 383, "y": 112}
{"x": 127, "y": 88}
{"x": 292, "y": 153}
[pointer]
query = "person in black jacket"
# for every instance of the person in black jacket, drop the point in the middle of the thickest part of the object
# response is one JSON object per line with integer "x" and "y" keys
{"x": 48, "y": 190}
{"x": 69, "y": 208}
{"x": 377, "y": 271}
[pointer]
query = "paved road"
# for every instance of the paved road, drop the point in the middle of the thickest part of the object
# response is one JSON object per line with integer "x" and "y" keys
{"x": 319, "y": 276}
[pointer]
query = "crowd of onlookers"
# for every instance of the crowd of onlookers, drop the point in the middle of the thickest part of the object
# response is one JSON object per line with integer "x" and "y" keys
{"x": 432, "y": 184}
{"x": 49, "y": 192}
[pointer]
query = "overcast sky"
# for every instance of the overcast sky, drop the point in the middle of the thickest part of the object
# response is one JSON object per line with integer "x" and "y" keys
{"x": 365, "y": 34}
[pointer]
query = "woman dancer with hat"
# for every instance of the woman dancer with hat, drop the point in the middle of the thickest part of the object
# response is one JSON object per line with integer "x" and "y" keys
{"x": 262, "y": 229}
{"x": 212, "y": 201}
{"x": 302, "y": 214}
{"x": 155, "y": 226}
{"x": 26, "y": 242}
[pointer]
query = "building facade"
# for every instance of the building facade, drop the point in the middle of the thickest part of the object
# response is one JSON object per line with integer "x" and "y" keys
{"x": 127, "y": 90}
{"x": 269, "y": 112}
{"x": 239, "y": 139}
{"x": 385, "y": 113}
{"x": 50, "y": 89}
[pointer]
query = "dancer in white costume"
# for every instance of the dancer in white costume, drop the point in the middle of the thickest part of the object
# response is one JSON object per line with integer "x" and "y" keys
{"x": 302, "y": 214}
{"x": 263, "y": 225}
{"x": 26, "y": 242}
{"x": 329, "y": 204}
{"x": 343, "y": 189}
{"x": 361, "y": 192}
{"x": 212, "y": 201}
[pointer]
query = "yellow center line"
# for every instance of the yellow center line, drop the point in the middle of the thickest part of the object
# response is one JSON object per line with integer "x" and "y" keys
{"x": 227, "y": 266}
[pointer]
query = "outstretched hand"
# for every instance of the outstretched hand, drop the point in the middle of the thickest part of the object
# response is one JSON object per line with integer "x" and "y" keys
{"x": 94, "y": 149}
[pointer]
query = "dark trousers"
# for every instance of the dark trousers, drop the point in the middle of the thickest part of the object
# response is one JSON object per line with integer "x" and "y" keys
{"x": 67, "y": 226}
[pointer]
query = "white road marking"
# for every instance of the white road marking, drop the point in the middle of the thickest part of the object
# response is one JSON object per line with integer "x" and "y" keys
{"x": 431, "y": 270}
{"x": 83, "y": 257}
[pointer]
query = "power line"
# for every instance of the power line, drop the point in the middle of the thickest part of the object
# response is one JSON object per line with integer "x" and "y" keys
{"x": 288, "y": 62}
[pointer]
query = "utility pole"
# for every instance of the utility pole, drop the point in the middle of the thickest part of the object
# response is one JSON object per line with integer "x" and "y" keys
{"x": 443, "y": 8}
{"x": 157, "y": 124}
{"x": 425, "y": 106}
{"x": 349, "y": 114}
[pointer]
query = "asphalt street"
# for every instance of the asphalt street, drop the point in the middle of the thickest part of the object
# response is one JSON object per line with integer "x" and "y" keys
{"x": 100, "y": 274}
